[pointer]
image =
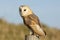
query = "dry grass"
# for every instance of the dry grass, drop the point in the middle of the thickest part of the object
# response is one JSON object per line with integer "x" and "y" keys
{"x": 9, "y": 31}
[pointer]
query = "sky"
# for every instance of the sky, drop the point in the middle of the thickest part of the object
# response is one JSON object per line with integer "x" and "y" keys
{"x": 48, "y": 11}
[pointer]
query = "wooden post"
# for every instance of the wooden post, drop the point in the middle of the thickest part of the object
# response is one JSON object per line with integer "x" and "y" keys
{"x": 31, "y": 37}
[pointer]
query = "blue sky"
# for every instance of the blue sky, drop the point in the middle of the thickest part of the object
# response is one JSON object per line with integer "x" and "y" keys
{"x": 48, "y": 11}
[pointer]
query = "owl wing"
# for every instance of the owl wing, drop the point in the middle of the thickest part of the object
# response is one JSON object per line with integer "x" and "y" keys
{"x": 34, "y": 18}
{"x": 35, "y": 25}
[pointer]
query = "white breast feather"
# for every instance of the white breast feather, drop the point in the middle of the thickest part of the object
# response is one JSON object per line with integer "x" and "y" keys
{"x": 38, "y": 28}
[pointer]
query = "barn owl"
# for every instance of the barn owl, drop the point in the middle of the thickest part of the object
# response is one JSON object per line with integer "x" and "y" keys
{"x": 31, "y": 20}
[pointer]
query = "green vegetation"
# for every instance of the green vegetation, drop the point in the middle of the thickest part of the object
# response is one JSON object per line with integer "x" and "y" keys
{"x": 10, "y": 31}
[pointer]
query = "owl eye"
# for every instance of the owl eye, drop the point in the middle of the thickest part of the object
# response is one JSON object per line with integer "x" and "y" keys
{"x": 24, "y": 9}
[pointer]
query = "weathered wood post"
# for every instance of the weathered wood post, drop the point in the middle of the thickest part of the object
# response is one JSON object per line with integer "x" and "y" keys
{"x": 31, "y": 37}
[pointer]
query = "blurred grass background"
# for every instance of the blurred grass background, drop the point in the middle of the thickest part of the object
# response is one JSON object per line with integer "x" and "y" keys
{"x": 11, "y": 31}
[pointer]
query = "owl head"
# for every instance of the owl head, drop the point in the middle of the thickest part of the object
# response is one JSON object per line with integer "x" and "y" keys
{"x": 25, "y": 10}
